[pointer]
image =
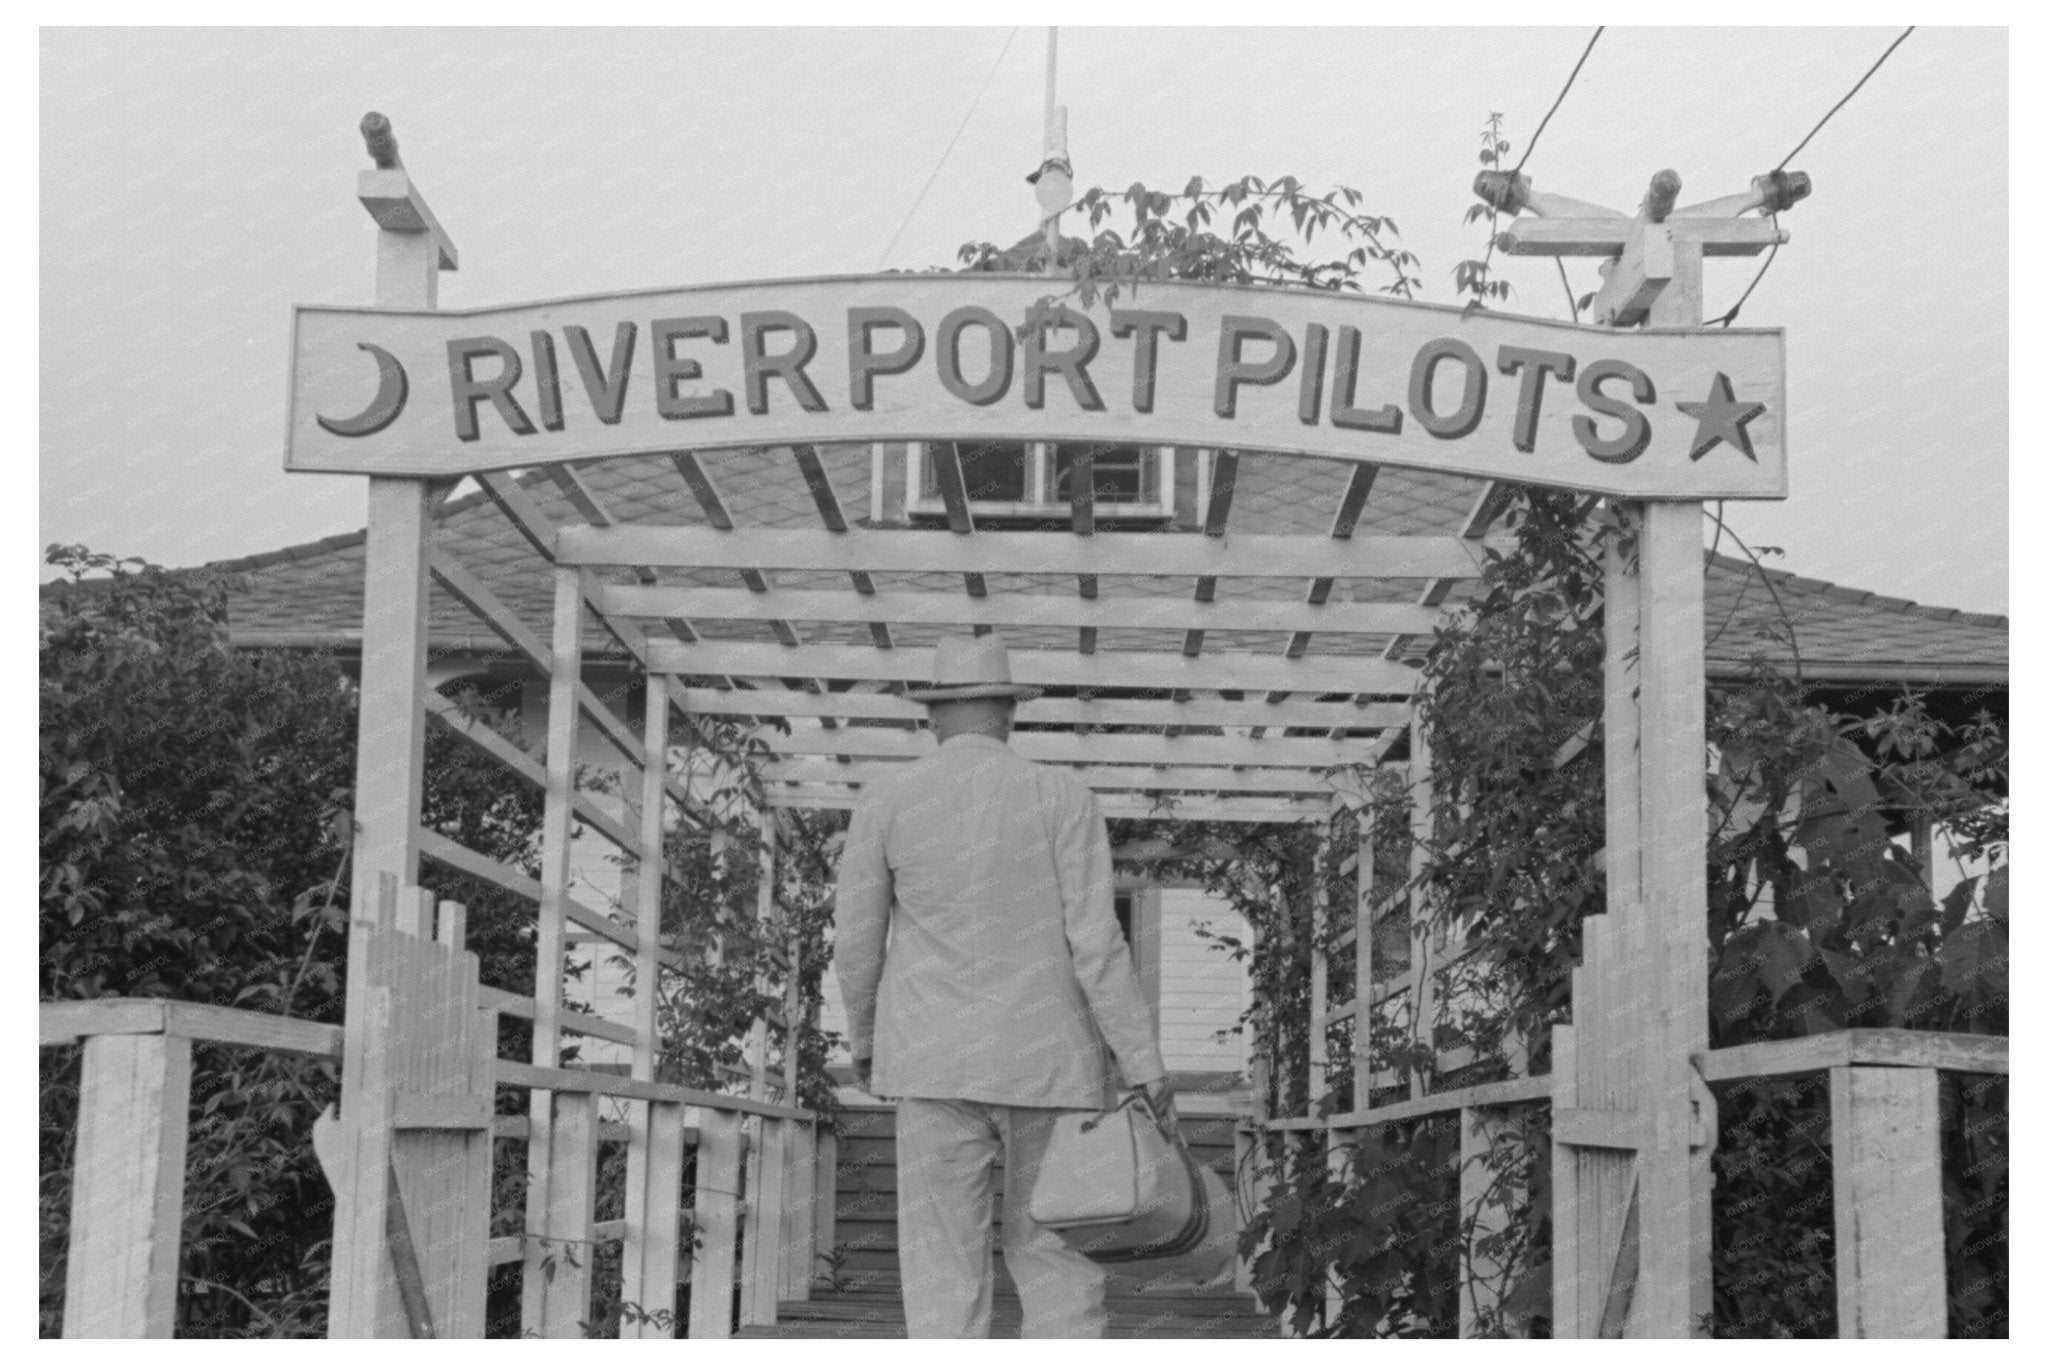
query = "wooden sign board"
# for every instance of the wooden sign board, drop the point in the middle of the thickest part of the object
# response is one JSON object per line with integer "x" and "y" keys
{"x": 1689, "y": 415}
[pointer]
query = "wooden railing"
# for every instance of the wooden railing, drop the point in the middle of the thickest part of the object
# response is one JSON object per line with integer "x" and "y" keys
{"x": 762, "y": 1170}
{"x": 1885, "y": 1122}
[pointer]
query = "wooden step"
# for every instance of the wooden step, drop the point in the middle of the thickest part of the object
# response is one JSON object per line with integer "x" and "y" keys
{"x": 875, "y": 1310}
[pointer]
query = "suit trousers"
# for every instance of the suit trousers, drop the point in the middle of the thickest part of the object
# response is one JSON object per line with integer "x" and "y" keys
{"x": 946, "y": 1152}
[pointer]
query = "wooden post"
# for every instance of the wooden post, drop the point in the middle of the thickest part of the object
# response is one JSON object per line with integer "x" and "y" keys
{"x": 655, "y": 1139}
{"x": 1244, "y": 1166}
{"x": 390, "y": 730}
{"x": 128, "y": 1187}
{"x": 1318, "y": 976}
{"x": 716, "y": 1214}
{"x": 391, "y": 722}
{"x": 543, "y": 1286}
{"x": 1890, "y": 1273}
{"x": 1479, "y": 1288}
{"x": 799, "y": 1188}
{"x": 1655, "y": 744}
{"x": 764, "y": 917}
{"x": 470, "y": 1273}
{"x": 761, "y": 1258}
{"x": 1675, "y": 1297}
{"x": 1566, "y": 1275}
{"x": 363, "y": 1296}
{"x": 1421, "y": 991}
{"x": 825, "y": 1198}
{"x": 569, "y": 1217}
{"x": 1361, "y": 947}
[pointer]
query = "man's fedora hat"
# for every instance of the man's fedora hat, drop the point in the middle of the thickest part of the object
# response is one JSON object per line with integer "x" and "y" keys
{"x": 967, "y": 666}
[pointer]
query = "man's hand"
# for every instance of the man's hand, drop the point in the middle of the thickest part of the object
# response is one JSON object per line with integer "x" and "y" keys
{"x": 864, "y": 1074}
{"x": 1159, "y": 1094}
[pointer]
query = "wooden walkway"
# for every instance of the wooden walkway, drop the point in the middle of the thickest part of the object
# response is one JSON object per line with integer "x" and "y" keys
{"x": 870, "y": 1305}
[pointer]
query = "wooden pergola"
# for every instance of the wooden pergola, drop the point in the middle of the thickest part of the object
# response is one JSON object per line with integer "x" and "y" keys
{"x": 1191, "y": 673}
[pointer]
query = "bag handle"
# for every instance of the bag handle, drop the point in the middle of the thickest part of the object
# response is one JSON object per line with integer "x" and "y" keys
{"x": 1131, "y": 1097}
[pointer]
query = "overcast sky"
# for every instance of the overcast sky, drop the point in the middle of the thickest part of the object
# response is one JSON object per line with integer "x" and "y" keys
{"x": 196, "y": 183}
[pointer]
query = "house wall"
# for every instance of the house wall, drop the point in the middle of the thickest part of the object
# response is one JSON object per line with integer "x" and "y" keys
{"x": 1202, "y": 991}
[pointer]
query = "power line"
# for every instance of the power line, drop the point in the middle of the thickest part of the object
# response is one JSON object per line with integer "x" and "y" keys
{"x": 914, "y": 204}
{"x": 1728, "y": 318}
{"x": 1528, "y": 150}
{"x": 1570, "y": 299}
{"x": 1846, "y": 98}
{"x": 1486, "y": 266}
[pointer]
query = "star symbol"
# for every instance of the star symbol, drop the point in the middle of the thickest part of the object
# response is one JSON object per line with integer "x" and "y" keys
{"x": 1722, "y": 418}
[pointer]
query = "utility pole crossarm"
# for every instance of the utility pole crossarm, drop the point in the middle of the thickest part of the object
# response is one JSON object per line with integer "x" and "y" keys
{"x": 393, "y": 201}
{"x": 1645, "y": 250}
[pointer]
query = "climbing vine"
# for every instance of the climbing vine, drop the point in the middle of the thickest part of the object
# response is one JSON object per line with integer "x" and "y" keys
{"x": 1818, "y": 918}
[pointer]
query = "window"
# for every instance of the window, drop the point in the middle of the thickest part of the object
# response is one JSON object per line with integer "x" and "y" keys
{"x": 1123, "y": 474}
{"x": 1034, "y": 480}
{"x": 994, "y": 471}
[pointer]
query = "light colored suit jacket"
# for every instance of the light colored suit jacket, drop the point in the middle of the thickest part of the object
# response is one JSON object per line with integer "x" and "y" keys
{"x": 977, "y": 944}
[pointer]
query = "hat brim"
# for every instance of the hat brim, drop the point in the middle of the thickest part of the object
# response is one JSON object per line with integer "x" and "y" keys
{"x": 971, "y": 691}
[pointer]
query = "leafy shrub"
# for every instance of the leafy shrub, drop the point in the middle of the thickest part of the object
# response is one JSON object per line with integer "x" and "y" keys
{"x": 194, "y": 831}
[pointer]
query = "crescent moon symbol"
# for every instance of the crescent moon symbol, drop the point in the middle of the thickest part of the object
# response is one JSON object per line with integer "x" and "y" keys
{"x": 384, "y": 408}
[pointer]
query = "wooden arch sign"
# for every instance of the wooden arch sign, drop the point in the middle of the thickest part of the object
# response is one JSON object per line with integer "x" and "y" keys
{"x": 1650, "y": 415}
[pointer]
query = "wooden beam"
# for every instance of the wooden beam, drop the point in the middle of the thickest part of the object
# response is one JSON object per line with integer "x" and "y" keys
{"x": 70, "y": 1021}
{"x": 466, "y": 588}
{"x": 584, "y": 1081}
{"x": 1344, "y": 521}
{"x": 400, "y": 209}
{"x": 531, "y": 522}
{"x": 819, "y": 480}
{"x": 1528, "y": 236}
{"x": 1022, "y": 552}
{"x": 1107, "y": 777}
{"x": 1117, "y": 668}
{"x": 526, "y": 768}
{"x": 1518, "y": 1091}
{"x": 945, "y": 458}
{"x": 1115, "y": 805}
{"x": 1494, "y": 498}
{"x": 1103, "y": 711}
{"x": 573, "y": 1021}
{"x": 468, "y": 861}
{"x": 872, "y": 742}
{"x": 1970, "y": 1053}
{"x": 1019, "y": 609}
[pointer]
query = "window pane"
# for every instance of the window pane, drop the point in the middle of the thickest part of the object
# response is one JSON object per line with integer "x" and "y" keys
{"x": 994, "y": 471}
{"x": 1122, "y": 474}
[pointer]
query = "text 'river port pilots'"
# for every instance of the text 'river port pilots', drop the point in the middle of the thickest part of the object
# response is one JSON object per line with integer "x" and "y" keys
{"x": 966, "y": 358}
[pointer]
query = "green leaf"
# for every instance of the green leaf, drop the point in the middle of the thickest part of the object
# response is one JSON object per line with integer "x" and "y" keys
{"x": 1782, "y": 956}
{"x": 1996, "y": 886}
{"x": 1974, "y": 962}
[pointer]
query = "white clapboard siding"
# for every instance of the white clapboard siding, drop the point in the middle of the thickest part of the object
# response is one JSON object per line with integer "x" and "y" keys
{"x": 1201, "y": 990}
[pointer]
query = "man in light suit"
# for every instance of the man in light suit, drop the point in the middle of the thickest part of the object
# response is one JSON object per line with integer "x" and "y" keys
{"x": 988, "y": 989}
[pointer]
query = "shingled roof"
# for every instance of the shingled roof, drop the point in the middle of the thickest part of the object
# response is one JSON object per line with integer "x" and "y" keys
{"x": 311, "y": 594}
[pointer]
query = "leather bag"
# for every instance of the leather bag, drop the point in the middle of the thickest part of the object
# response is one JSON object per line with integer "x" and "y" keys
{"x": 1119, "y": 1190}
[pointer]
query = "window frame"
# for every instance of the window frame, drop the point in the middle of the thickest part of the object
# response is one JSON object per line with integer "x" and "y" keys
{"x": 1038, "y": 476}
